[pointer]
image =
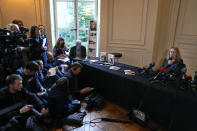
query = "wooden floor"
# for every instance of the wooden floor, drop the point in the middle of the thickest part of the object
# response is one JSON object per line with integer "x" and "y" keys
{"x": 110, "y": 111}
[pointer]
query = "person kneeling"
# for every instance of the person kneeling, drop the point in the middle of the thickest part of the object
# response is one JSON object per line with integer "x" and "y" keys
{"x": 75, "y": 88}
{"x": 60, "y": 103}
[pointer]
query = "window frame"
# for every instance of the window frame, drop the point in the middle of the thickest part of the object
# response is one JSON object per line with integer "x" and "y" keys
{"x": 76, "y": 29}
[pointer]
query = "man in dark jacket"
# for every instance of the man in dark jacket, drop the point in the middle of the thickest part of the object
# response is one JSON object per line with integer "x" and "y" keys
{"x": 42, "y": 77}
{"x": 28, "y": 75}
{"x": 14, "y": 97}
{"x": 53, "y": 62}
{"x": 75, "y": 88}
{"x": 78, "y": 51}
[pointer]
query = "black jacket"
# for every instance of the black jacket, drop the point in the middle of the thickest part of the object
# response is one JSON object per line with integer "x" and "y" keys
{"x": 177, "y": 70}
{"x": 8, "y": 99}
{"x": 29, "y": 82}
{"x": 35, "y": 49}
{"x": 73, "y": 80}
{"x": 58, "y": 100}
{"x": 73, "y": 52}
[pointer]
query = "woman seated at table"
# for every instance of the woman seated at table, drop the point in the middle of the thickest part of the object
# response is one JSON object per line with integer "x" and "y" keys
{"x": 173, "y": 58}
{"x": 60, "y": 48}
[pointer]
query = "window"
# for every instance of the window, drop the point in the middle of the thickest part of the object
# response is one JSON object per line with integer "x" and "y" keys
{"x": 72, "y": 19}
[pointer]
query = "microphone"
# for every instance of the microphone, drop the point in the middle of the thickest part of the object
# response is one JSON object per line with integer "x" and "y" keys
{"x": 173, "y": 71}
{"x": 195, "y": 77}
{"x": 194, "y": 82}
{"x": 187, "y": 82}
{"x": 170, "y": 58}
{"x": 184, "y": 71}
{"x": 188, "y": 77}
{"x": 161, "y": 72}
{"x": 151, "y": 65}
{"x": 173, "y": 66}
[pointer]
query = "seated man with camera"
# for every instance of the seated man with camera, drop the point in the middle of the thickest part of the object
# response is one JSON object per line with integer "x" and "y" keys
{"x": 17, "y": 105}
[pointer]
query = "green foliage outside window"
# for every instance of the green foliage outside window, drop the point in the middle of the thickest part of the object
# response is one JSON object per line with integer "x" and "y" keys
{"x": 85, "y": 15}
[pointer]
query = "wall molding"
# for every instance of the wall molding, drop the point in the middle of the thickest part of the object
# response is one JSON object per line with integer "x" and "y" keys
{"x": 143, "y": 23}
{"x": 182, "y": 16}
{"x": 173, "y": 18}
{"x": 180, "y": 36}
{"x": 187, "y": 43}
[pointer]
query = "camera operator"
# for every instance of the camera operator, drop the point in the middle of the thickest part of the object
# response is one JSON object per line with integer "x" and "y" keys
{"x": 18, "y": 34}
{"x": 13, "y": 98}
{"x": 18, "y": 22}
{"x": 10, "y": 57}
{"x": 13, "y": 27}
{"x": 15, "y": 43}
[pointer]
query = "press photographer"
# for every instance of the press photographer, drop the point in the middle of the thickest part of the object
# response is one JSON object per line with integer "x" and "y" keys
{"x": 12, "y": 43}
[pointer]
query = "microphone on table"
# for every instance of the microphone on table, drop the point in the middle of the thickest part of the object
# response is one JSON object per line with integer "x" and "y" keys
{"x": 151, "y": 65}
{"x": 194, "y": 82}
{"x": 172, "y": 71}
{"x": 161, "y": 72}
{"x": 195, "y": 77}
{"x": 186, "y": 84}
{"x": 184, "y": 71}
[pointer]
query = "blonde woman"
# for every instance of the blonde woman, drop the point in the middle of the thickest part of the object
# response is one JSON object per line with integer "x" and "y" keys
{"x": 174, "y": 58}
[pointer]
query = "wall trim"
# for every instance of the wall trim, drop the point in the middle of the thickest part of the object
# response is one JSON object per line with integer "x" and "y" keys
{"x": 139, "y": 42}
{"x": 174, "y": 14}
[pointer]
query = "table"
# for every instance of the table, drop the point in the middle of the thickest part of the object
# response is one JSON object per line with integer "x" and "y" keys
{"x": 168, "y": 105}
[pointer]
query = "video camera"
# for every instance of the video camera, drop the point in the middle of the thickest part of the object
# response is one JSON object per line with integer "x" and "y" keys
{"x": 11, "y": 39}
{"x": 9, "y": 43}
{"x": 23, "y": 29}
